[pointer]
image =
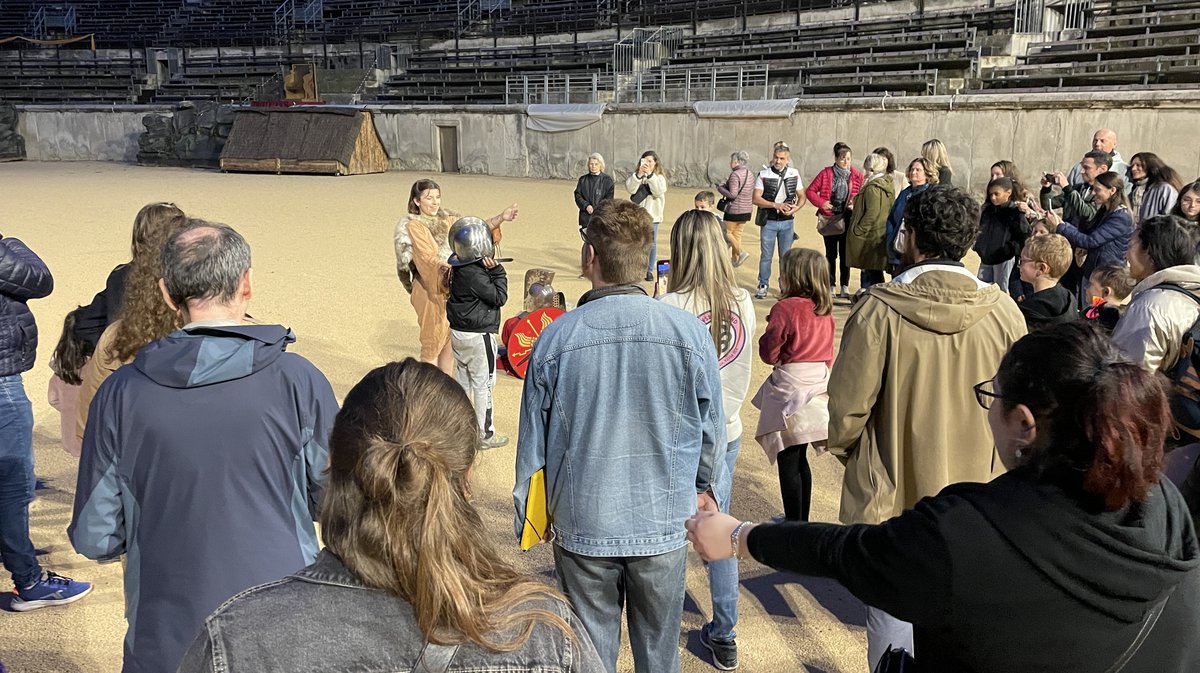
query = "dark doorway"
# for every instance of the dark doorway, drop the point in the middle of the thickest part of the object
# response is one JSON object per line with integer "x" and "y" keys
{"x": 448, "y": 142}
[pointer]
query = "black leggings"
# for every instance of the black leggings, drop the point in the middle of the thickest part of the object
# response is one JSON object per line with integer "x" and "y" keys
{"x": 795, "y": 482}
{"x": 835, "y": 246}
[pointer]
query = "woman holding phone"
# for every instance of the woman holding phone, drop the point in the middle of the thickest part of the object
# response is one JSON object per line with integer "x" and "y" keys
{"x": 648, "y": 188}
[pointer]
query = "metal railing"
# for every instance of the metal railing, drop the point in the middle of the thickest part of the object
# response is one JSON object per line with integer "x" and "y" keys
{"x": 312, "y": 14}
{"x": 1031, "y": 16}
{"x": 645, "y": 48}
{"x": 648, "y": 86}
{"x": 285, "y": 20}
{"x": 693, "y": 84}
{"x": 59, "y": 17}
{"x": 555, "y": 87}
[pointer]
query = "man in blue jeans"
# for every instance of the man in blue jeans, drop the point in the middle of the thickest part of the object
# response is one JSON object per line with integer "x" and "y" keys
{"x": 778, "y": 193}
{"x": 622, "y": 406}
{"x": 23, "y": 276}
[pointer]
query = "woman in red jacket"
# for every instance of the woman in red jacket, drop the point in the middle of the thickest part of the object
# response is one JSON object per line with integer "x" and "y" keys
{"x": 832, "y": 192}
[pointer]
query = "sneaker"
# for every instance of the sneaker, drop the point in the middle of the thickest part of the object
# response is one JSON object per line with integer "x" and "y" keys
{"x": 741, "y": 258}
{"x": 845, "y": 293}
{"x": 762, "y": 292}
{"x": 494, "y": 442}
{"x": 52, "y": 589}
{"x": 724, "y": 652}
{"x": 649, "y": 277}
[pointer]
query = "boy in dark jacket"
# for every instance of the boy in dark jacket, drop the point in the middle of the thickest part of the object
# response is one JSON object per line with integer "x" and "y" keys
{"x": 478, "y": 288}
{"x": 1043, "y": 261}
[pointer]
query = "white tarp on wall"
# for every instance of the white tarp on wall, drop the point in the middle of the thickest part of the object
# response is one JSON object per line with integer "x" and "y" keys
{"x": 745, "y": 109}
{"x": 558, "y": 118}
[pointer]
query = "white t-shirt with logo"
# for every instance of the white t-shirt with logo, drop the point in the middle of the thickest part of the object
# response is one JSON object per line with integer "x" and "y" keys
{"x": 738, "y": 355}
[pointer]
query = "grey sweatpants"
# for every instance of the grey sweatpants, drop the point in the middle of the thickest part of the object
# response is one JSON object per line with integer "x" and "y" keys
{"x": 475, "y": 366}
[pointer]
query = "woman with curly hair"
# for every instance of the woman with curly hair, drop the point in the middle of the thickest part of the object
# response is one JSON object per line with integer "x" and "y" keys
{"x": 422, "y": 248}
{"x": 144, "y": 316}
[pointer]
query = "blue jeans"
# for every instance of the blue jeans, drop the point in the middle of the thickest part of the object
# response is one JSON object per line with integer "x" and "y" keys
{"x": 652, "y": 267}
{"x": 16, "y": 481}
{"x": 653, "y": 587}
{"x": 723, "y": 575}
{"x": 775, "y": 233}
{"x": 997, "y": 273}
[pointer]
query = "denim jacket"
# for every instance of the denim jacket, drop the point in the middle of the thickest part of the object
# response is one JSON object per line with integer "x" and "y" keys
{"x": 324, "y": 619}
{"x": 622, "y": 406}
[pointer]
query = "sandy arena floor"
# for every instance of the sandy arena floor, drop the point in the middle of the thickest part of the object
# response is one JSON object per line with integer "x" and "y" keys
{"x": 324, "y": 266}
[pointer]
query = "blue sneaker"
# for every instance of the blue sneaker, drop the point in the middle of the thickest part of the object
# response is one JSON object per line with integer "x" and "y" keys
{"x": 52, "y": 589}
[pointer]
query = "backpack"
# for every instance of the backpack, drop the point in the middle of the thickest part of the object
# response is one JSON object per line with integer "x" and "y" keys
{"x": 1184, "y": 391}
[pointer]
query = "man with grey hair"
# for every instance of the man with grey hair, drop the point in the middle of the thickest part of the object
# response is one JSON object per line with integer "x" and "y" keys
{"x": 202, "y": 459}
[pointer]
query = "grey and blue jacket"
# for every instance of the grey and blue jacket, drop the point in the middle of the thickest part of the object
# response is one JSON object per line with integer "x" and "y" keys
{"x": 203, "y": 464}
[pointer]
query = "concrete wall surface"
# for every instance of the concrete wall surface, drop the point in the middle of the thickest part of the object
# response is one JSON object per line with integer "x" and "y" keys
{"x": 103, "y": 134}
{"x": 1039, "y": 132}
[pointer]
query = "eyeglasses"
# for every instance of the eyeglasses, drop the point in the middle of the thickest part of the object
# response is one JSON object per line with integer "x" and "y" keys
{"x": 782, "y": 146}
{"x": 985, "y": 393}
{"x": 1026, "y": 260}
{"x": 583, "y": 235}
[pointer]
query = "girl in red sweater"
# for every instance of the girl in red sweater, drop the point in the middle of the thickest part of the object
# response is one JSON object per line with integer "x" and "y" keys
{"x": 793, "y": 401}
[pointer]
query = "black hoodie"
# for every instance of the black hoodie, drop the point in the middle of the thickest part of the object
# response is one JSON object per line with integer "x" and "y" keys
{"x": 1047, "y": 308}
{"x": 1016, "y": 575}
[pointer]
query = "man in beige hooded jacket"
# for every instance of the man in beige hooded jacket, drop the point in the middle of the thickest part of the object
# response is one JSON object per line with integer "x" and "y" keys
{"x": 902, "y": 414}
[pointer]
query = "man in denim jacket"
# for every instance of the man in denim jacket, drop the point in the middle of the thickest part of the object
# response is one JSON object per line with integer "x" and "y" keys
{"x": 622, "y": 406}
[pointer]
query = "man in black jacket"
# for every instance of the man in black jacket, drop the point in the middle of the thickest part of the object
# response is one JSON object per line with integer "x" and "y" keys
{"x": 23, "y": 276}
{"x": 478, "y": 288}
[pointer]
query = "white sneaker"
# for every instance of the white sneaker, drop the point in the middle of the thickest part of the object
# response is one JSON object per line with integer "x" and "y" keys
{"x": 762, "y": 292}
{"x": 845, "y": 293}
{"x": 494, "y": 442}
{"x": 741, "y": 258}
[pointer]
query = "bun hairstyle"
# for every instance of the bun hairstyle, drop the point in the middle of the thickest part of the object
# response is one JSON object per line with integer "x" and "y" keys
{"x": 1101, "y": 419}
{"x": 397, "y": 511}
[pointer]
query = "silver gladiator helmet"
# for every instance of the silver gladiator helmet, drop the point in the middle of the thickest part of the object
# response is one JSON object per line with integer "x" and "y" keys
{"x": 470, "y": 240}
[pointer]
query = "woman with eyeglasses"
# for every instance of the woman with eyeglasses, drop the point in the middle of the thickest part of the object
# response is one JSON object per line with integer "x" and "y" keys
{"x": 1079, "y": 560}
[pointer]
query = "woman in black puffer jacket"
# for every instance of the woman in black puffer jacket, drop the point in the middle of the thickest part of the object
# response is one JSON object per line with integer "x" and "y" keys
{"x": 595, "y": 186}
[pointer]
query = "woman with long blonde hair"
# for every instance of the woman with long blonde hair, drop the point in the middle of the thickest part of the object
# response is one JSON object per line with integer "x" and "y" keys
{"x": 934, "y": 151}
{"x": 144, "y": 316}
{"x": 405, "y": 577}
{"x": 701, "y": 282}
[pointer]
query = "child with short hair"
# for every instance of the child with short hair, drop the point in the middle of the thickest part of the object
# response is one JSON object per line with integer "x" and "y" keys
{"x": 1002, "y": 233}
{"x": 1043, "y": 261}
{"x": 706, "y": 201}
{"x": 1108, "y": 291}
{"x": 798, "y": 343}
{"x": 478, "y": 288}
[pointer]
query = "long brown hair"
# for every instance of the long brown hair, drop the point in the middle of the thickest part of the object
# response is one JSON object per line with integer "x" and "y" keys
{"x": 700, "y": 264}
{"x": 144, "y": 316}
{"x": 803, "y": 272}
{"x": 397, "y": 510}
{"x": 418, "y": 188}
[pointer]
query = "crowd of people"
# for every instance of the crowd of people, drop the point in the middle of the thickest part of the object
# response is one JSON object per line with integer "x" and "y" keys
{"x": 1003, "y": 432}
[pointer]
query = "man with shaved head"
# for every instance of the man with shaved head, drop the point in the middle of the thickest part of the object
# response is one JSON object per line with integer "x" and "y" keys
{"x": 202, "y": 459}
{"x": 1104, "y": 140}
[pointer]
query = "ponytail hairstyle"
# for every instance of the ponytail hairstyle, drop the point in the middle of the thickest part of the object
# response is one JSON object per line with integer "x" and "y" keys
{"x": 1007, "y": 184}
{"x": 700, "y": 264}
{"x": 1009, "y": 170}
{"x": 1116, "y": 182}
{"x": 1101, "y": 420}
{"x": 397, "y": 511}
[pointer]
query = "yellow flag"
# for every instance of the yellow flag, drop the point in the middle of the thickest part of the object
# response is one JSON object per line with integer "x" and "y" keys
{"x": 537, "y": 517}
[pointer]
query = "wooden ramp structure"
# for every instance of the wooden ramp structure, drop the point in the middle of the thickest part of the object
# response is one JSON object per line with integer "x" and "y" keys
{"x": 318, "y": 139}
